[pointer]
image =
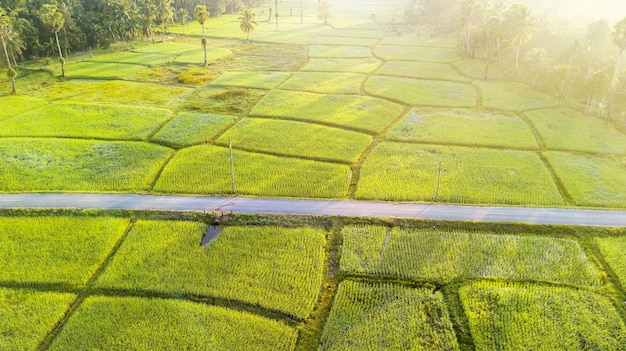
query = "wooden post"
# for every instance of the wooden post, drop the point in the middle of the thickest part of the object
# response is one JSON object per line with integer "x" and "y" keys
{"x": 232, "y": 168}
{"x": 438, "y": 183}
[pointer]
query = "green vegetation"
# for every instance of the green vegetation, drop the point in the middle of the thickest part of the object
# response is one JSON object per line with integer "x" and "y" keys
{"x": 403, "y": 172}
{"x": 613, "y": 249}
{"x": 206, "y": 170}
{"x": 325, "y": 82}
{"x": 297, "y": 139}
{"x": 444, "y": 255}
{"x": 212, "y": 55}
{"x": 356, "y": 33}
{"x": 78, "y": 165}
{"x": 87, "y": 121}
{"x": 512, "y": 96}
{"x": 421, "y": 70}
{"x": 566, "y": 129}
{"x": 57, "y": 250}
{"x": 416, "y": 53}
{"x": 336, "y": 40}
{"x": 387, "y": 317}
{"x": 27, "y": 316}
{"x": 277, "y": 268}
{"x": 360, "y": 113}
{"x": 471, "y": 127}
{"x": 104, "y": 70}
{"x": 258, "y": 80}
{"x": 363, "y": 65}
{"x": 514, "y": 316}
{"x": 144, "y": 56}
{"x": 340, "y": 51}
{"x": 15, "y": 105}
{"x": 422, "y": 92}
{"x": 190, "y": 128}
{"x": 476, "y": 69}
{"x": 591, "y": 180}
{"x": 107, "y": 323}
{"x": 222, "y": 100}
{"x": 424, "y": 42}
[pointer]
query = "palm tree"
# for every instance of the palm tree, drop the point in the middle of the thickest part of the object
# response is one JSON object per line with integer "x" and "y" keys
{"x": 619, "y": 38}
{"x": 247, "y": 23}
{"x": 53, "y": 18}
{"x": 6, "y": 27}
{"x": 596, "y": 37}
{"x": 520, "y": 28}
{"x": 202, "y": 15}
{"x": 11, "y": 73}
{"x": 183, "y": 15}
{"x": 165, "y": 13}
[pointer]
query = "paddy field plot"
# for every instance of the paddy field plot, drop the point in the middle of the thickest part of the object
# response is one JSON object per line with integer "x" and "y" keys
{"x": 222, "y": 100}
{"x": 378, "y": 316}
{"x": 515, "y": 316}
{"x": 325, "y": 82}
{"x": 103, "y": 70}
{"x": 197, "y": 56}
{"x": 355, "y": 33}
{"x": 463, "y": 127}
{"x": 405, "y": 172}
{"x": 29, "y": 165}
{"x": 191, "y": 128}
{"x": 87, "y": 121}
{"x": 422, "y": 92}
{"x": 591, "y": 180}
{"x": 613, "y": 249}
{"x": 206, "y": 170}
{"x": 475, "y": 68}
{"x": 27, "y": 316}
{"x": 420, "y": 41}
{"x": 63, "y": 251}
{"x": 348, "y": 41}
{"x": 363, "y": 65}
{"x": 296, "y": 139}
{"x": 567, "y": 129}
{"x": 276, "y": 268}
{"x": 14, "y": 105}
{"x": 421, "y": 70}
{"x": 447, "y": 256}
{"x": 143, "y": 58}
{"x": 339, "y": 51}
{"x": 168, "y": 48}
{"x": 513, "y": 96}
{"x": 359, "y": 113}
{"x": 257, "y": 80}
{"x": 107, "y": 323}
{"x": 416, "y": 53}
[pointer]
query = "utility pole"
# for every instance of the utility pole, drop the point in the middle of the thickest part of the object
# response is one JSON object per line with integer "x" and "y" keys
{"x": 232, "y": 168}
{"x": 276, "y": 13}
{"x": 438, "y": 183}
{"x": 301, "y": 14}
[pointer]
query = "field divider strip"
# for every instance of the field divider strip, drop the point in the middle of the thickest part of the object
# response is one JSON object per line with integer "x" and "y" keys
{"x": 161, "y": 169}
{"x": 278, "y": 154}
{"x": 84, "y": 293}
{"x": 557, "y": 181}
{"x": 316, "y": 122}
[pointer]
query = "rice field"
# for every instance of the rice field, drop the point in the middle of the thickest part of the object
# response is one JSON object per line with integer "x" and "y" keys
{"x": 463, "y": 127}
{"x": 325, "y": 82}
{"x": 362, "y": 65}
{"x": 514, "y": 316}
{"x": 416, "y": 53}
{"x": 206, "y": 170}
{"x": 512, "y": 96}
{"x": 257, "y": 80}
{"x": 405, "y": 172}
{"x": 613, "y": 249}
{"x": 382, "y": 316}
{"x": 103, "y": 70}
{"x": 14, "y": 105}
{"x": 416, "y": 92}
{"x": 277, "y": 268}
{"x": 421, "y": 70}
{"x": 339, "y": 51}
{"x": 221, "y": 100}
{"x": 83, "y": 120}
{"x": 108, "y": 323}
{"x": 447, "y": 256}
{"x": 191, "y": 128}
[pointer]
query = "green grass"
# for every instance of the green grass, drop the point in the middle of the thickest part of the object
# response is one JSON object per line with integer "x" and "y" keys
{"x": 206, "y": 170}
{"x": 421, "y": 41}
{"x": 421, "y": 92}
{"x": 513, "y": 96}
{"x": 276, "y": 268}
{"x": 168, "y": 48}
{"x": 567, "y": 129}
{"x": 297, "y": 139}
{"x": 15, "y": 105}
{"x": 55, "y": 250}
{"x": 355, "y": 33}
{"x": 510, "y": 316}
{"x": 360, "y": 113}
{"x": 613, "y": 249}
{"x": 258, "y": 80}
{"x": 191, "y": 128}
{"x": 27, "y": 316}
{"x": 104, "y": 70}
{"x": 591, "y": 180}
{"x": 130, "y": 93}
{"x": 197, "y": 55}
{"x": 447, "y": 256}
{"x": 325, "y": 82}
{"x": 475, "y": 68}
{"x": 143, "y": 56}
{"x": 335, "y": 40}
{"x": 421, "y": 70}
{"x": 30, "y": 165}
{"x": 415, "y": 53}
{"x": 368, "y": 65}
{"x": 402, "y": 172}
{"x": 339, "y": 51}
{"x": 387, "y": 317}
{"x": 463, "y": 127}
{"x": 87, "y": 121}
{"x": 110, "y": 323}
{"x": 222, "y": 100}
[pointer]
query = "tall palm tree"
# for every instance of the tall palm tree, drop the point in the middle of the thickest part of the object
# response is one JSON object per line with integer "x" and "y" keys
{"x": 6, "y": 29}
{"x": 202, "y": 15}
{"x": 521, "y": 25}
{"x": 619, "y": 38}
{"x": 596, "y": 37}
{"x": 53, "y": 18}
{"x": 247, "y": 23}
{"x": 165, "y": 13}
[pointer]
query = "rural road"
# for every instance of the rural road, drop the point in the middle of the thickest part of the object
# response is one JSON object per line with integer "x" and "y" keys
{"x": 317, "y": 207}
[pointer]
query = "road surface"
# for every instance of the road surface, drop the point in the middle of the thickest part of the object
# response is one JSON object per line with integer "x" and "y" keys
{"x": 317, "y": 207}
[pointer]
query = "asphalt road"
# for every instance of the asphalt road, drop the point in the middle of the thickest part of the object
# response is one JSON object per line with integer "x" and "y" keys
{"x": 317, "y": 207}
